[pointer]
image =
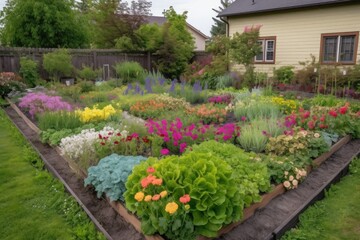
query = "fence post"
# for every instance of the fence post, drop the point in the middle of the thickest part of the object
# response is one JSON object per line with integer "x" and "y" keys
{"x": 95, "y": 60}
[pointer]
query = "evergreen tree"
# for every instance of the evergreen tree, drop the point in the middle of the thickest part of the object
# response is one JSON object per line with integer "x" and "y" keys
{"x": 219, "y": 28}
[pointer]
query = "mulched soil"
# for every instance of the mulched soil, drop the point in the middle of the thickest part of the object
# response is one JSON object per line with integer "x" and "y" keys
{"x": 260, "y": 226}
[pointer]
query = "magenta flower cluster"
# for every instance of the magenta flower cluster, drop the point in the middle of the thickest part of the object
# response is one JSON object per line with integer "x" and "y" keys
{"x": 37, "y": 103}
{"x": 178, "y": 137}
{"x": 221, "y": 99}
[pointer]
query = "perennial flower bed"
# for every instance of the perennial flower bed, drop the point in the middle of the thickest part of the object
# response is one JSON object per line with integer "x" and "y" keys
{"x": 188, "y": 170}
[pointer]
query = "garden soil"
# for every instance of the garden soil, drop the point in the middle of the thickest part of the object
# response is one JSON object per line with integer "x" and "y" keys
{"x": 262, "y": 225}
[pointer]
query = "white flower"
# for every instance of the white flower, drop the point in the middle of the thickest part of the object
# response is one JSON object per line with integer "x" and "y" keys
{"x": 316, "y": 135}
{"x": 295, "y": 183}
{"x": 287, "y": 184}
{"x": 291, "y": 178}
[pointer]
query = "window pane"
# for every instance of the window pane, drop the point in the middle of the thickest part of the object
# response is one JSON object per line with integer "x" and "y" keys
{"x": 347, "y": 46}
{"x": 330, "y": 47}
{"x": 270, "y": 50}
{"x": 260, "y": 55}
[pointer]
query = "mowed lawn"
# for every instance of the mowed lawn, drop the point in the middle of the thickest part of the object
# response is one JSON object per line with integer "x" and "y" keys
{"x": 33, "y": 205}
{"x": 337, "y": 217}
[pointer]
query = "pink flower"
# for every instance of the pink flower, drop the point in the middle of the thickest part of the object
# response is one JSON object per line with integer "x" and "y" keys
{"x": 243, "y": 118}
{"x": 164, "y": 151}
{"x": 150, "y": 170}
{"x": 182, "y": 147}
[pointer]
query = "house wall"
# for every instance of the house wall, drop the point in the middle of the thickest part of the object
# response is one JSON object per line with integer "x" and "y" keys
{"x": 298, "y": 32}
{"x": 199, "y": 40}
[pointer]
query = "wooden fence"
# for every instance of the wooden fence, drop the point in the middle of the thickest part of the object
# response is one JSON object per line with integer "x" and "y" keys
{"x": 96, "y": 58}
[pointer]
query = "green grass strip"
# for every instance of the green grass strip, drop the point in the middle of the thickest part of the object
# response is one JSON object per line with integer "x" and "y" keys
{"x": 33, "y": 204}
{"x": 337, "y": 216}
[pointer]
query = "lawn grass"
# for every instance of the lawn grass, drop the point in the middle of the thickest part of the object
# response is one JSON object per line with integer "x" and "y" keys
{"x": 33, "y": 205}
{"x": 337, "y": 216}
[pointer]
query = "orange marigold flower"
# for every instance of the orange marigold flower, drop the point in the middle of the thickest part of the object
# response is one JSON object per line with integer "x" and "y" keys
{"x": 163, "y": 194}
{"x": 185, "y": 199}
{"x": 171, "y": 207}
{"x": 156, "y": 197}
{"x": 150, "y": 170}
{"x": 139, "y": 196}
{"x": 148, "y": 198}
{"x": 145, "y": 182}
{"x": 157, "y": 182}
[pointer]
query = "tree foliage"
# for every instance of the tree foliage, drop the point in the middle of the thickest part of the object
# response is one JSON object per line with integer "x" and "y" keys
{"x": 177, "y": 45}
{"x": 219, "y": 27}
{"x": 42, "y": 23}
{"x": 114, "y": 19}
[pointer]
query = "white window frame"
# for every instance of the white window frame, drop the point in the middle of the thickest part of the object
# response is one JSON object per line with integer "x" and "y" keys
{"x": 264, "y": 44}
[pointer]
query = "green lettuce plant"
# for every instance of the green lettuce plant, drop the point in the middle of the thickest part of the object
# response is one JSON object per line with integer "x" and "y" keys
{"x": 110, "y": 175}
{"x": 203, "y": 179}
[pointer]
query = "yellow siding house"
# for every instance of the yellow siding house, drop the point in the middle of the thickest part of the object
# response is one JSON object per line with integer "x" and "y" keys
{"x": 292, "y": 30}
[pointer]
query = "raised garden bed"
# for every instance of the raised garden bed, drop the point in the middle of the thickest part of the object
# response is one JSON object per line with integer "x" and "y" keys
{"x": 248, "y": 212}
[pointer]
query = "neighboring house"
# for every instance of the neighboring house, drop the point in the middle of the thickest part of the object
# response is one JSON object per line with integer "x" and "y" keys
{"x": 199, "y": 38}
{"x": 292, "y": 30}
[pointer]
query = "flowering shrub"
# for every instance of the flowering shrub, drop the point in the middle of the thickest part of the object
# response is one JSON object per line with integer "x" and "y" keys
{"x": 9, "y": 81}
{"x": 178, "y": 137}
{"x": 302, "y": 145}
{"x": 220, "y": 99}
{"x": 37, "y": 103}
{"x": 95, "y": 115}
{"x": 256, "y": 110}
{"x": 171, "y": 102}
{"x": 182, "y": 197}
{"x": 338, "y": 120}
{"x": 286, "y": 106}
{"x": 147, "y": 109}
{"x": 209, "y": 113}
{"x": 81, "y": 147}
{"x": 286, "y": 171}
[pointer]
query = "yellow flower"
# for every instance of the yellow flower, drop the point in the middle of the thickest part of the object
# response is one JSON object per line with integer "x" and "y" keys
{"x": 148, "y": 198}
{"x": 171, "y": 207}
{"x": 139, "y": 196}
{"x": 187, "y": 207}
{"x": 163, "y": 194}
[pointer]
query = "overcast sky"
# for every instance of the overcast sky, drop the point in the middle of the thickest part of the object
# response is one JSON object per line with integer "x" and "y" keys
{"x": 200, "y": 12}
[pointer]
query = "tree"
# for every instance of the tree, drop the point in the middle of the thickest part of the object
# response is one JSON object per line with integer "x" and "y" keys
{"x": 114, "y": 19}
{"x": 243, "y": 48}
{"x": 219, "y": 28}
{"x": 42, "y": 23}
{"x": 177, "y": 45}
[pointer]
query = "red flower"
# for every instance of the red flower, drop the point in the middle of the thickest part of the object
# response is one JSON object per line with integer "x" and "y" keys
{"x": 333, "y": 113}
{"x": 100, "y": 137}
{"x": 322, "y": 119}
{"x": 343, "y": 110}
{"x": 116, "y": 142}
{"x": 145, "y": 140}
{"x": 305, "y": 115}
{"x": 118, "y": 134}
{"x": 323, "y": 126}
{"x": 110, "y": 133}
{"x": 128, "y": 138}
{"x": 185, "y": 199}
{"x": 150, "y": 170}
{"x": 311, "y": 125}
{"x": 102, "y": 143}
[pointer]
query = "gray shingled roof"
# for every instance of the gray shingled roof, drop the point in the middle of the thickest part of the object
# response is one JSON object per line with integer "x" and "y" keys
{"x": 242, "y": 7}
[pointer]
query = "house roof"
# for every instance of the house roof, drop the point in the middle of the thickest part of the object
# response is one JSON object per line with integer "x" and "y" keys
{"x": 161, "y": 20}
{"x": 242, "y": 7}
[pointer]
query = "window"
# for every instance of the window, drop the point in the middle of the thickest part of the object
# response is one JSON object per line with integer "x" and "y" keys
{"x": 267, "y": 54}
{"x": 339, "y": 48}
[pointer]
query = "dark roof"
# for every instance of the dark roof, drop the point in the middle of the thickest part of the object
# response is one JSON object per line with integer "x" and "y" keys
{"x": 242, "y": 7}
{"x": 161, "y": 20}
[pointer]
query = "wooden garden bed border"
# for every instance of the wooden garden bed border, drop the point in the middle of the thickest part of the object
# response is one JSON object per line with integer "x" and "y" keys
{"x": 136, "y": 223}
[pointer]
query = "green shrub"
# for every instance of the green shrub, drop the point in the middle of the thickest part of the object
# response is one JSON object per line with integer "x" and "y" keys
{"x": 284, "y": 74}
{"x": 58, "y": 120}
{"x": 29, "y": 71}
{"x": 110, "y": 175}
{"x": 130, "y": 72}
{"x": 88, "y": 74}
{"x": 86, "y": 86}
{"x": 58, "y": 64}
{"x": 223, "y": 82}
{"x": 213, "y": 201}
